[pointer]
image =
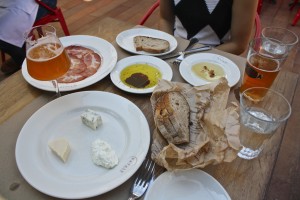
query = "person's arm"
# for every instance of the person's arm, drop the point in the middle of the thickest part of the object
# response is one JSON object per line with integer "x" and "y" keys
{"x": 167, "y": 17}
{"x": 242, "y": 23}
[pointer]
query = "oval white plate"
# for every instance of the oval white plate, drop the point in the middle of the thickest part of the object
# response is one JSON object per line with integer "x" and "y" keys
{"x": 232, "y": 72}
{"x": 158, "y": 63}
{"x": 124, "y": 127}
{"x": 191, "y": 184}
{"x": 105, "y": 49}
{"x": 125, "y": 40}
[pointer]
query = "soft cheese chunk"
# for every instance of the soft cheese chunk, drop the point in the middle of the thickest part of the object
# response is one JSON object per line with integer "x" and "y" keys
{"x": 61, "y": 148}
{"x": 103, "y": 154}
{"x": 91, "y": 119}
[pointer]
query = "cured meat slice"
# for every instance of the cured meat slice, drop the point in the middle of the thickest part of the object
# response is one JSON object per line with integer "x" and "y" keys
{"x": 84, "y": 63}
{"x": 70, "y": 78}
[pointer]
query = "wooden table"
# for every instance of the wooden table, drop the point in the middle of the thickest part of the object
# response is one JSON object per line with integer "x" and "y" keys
{"x": 242, "y": 179}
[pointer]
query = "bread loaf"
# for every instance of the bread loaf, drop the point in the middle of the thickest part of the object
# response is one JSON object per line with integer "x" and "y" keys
{"x": 150, "y": 44}
{"x": 172, "y": 117}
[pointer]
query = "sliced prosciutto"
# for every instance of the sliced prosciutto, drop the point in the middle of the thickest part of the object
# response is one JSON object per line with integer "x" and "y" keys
{"x": 84, "y": 63}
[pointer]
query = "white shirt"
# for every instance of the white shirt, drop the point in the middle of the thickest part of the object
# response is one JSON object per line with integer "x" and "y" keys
{"x": 16, "y": 18}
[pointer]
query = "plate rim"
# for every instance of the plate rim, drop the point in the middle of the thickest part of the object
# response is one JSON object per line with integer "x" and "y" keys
{"x": 234, "y": 68}
{"x": 137, "y": 31}
{"x": 78, "y": 39}
{"x": 115, "y": 78}
{"x": 141, "y": 154}
{"x": 182, "y": 173}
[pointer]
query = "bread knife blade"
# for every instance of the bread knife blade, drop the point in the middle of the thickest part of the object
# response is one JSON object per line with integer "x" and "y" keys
{"x": 196, "y": 50}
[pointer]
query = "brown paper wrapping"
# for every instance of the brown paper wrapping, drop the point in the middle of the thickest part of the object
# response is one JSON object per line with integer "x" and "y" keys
{"x": 214, "y": 128}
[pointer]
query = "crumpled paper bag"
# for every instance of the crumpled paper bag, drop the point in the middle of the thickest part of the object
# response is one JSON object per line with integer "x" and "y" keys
{"x": 214, "y": 128}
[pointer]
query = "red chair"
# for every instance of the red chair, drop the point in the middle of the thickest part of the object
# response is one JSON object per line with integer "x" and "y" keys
{"x": 257, "y": 26}
{"x": 297, "y": 17}
{"x": 148, "y": 13}
{"x": 259, "y": 6}
{"x": 156, "y": 4}
{"x": 54, "y": 15}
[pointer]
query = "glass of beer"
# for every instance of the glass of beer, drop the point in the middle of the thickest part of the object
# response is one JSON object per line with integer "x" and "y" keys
{"x": 264, "y": 60}
{"x": 260, "y": 119}
{"x": 45, "y": 55}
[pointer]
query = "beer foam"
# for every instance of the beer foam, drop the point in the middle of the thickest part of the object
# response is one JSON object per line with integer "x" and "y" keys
{"x": 44, "y": 52}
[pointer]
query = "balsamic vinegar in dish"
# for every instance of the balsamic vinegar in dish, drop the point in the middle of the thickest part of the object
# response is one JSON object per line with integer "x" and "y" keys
{"x": 140, "y": 75}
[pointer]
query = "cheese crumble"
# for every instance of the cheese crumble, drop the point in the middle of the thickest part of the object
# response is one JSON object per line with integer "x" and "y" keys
{"x": 103, "y": 154}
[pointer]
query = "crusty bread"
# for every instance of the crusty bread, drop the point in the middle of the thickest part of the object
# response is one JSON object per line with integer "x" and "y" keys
{"x": 171, "y": 116}
{"x": 150, "y": 44}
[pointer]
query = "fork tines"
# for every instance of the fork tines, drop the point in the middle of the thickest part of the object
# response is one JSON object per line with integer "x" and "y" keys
{"x": 145, "y": 173}
{"x": 142, "y": 180}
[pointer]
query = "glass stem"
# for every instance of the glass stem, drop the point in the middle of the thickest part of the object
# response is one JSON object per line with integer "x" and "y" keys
{"x": 55, "y": 84}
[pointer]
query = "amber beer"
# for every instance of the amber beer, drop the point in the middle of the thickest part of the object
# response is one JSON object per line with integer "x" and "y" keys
{"x": 47, "y": 61}
{"x": 260, "y": 71}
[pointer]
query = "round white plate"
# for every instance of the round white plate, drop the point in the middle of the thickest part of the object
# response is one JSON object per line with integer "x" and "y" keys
{"x": 108, "y": 60}
{"x": 125, "y": 40}
{"x": 191, "y": 184}
{"x": 232, "y": 72}
{"x": 124, "y": 127}
{"x": 158, "y": 63}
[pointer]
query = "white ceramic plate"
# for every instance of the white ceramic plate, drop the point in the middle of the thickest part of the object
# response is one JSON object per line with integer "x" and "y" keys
{"x": 105, "y": 49}
{"x": 124, "y": 127}
{"x": 125, "y": 40}
{"x": 161, "y": 65}
{"x": 191, "y": 184}
{"x": 232, "y": 72}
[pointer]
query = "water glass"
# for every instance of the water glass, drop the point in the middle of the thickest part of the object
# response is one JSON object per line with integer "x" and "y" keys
{"x": 282, "y": 35}
{"x": 260, "y": 117}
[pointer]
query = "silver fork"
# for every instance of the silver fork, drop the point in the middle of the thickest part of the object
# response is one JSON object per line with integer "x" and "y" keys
{"x": 142, "y": 180}
{"x": 178, "y": 60}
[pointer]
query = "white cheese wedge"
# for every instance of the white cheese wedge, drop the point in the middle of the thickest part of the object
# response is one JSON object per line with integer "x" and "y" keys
{"x": 91, "y": 119}
{"x": 103, "y": 154}
{"x": 61, "y": 148}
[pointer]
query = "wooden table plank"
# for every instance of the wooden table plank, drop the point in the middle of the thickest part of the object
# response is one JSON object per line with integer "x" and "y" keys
{"x": 286, "y": 175}
{"x": 108, "y": 28}
{"x": 15, "y": 94}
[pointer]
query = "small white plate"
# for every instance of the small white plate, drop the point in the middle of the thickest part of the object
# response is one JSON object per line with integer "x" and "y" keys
{"x": 158, "y": 63}
{"x": 125, "y": 40}
{"x": 232, "y": 72}
{"x": 124, "y": 127}
{"x": 105, "y": 49}
{"x": 191, "y": 184}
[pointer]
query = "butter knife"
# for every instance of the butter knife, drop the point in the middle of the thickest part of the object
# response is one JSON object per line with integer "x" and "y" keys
{"x": 196, "y": 50}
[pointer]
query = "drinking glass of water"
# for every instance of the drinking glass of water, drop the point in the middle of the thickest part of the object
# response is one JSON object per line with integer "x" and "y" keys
{"x": 260, "y": 117}
{"x": 282, "y": 35}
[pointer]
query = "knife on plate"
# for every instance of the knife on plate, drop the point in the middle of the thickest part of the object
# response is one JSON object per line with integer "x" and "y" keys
{"x": 196, "y": 50}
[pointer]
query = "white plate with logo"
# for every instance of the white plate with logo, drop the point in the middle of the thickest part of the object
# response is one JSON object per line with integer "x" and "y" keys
{"x": 191, "y": 184}
{"x": 106, "y": 51}
{"x": 125, "y": 40}
{"x": 231, "y": 70}
{"x": 124, "y": 127}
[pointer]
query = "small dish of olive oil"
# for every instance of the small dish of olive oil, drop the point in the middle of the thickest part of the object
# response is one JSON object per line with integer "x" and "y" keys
{"x": 140, "y": 74}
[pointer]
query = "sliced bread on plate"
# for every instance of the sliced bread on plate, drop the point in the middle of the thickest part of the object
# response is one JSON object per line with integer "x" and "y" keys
{"x": 150, "y": 44}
